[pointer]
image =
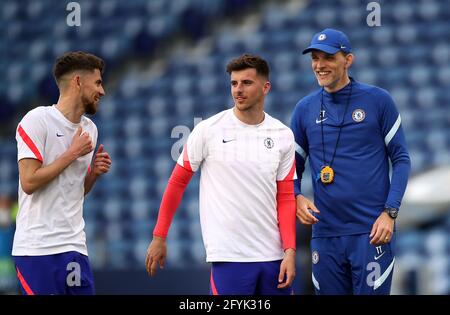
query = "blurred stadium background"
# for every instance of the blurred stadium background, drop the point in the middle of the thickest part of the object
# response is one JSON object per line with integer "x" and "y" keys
{"x": 166, "y": 69}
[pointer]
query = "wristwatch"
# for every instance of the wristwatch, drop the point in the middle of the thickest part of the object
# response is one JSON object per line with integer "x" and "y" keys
{"x": 392, "y": 212}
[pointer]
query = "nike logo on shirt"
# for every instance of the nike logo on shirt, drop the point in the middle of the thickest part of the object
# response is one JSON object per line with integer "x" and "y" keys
{"x": 59, "y": 135}
{"x": 226, "y": 141}
{"x": 318, "y": 121}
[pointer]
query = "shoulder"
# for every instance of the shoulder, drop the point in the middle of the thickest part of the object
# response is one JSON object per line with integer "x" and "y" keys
{"x": 375, "y": 92}
{"x": 213, "y": 120}
{"x": 276, "y": 124}
{"x": 87, "y": 122}
{"x": 38, "y": 112}
{"x": 35, "y": 116}
{"x": 304, "y": 103}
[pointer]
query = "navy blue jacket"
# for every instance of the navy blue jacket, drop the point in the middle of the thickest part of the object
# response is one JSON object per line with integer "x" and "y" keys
{"x": 371, "y": 135}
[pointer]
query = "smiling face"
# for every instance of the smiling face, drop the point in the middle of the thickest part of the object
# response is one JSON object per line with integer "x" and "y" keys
{"x": 248, "y": 89}
{"x": 331, "y": 71}
{"x": 91, "y": 90}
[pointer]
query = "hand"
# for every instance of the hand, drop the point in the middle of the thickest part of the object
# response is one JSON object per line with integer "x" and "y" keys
{"x": 382, "y": 230}
{"x": 287, "y": 269}
{"x": 156, "y": 254}
{"x": 304, "y": 205}
{"x": 81, "y": 143}
{"x": 102, "y": 162}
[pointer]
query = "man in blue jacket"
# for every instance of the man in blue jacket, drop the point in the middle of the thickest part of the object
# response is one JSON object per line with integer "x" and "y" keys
{"x": 349, "y": 131}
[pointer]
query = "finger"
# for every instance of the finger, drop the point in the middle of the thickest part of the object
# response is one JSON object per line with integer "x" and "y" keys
{"x": 105, "y": 169}
{"x": 103, "y": 155}
{"x": 304, "y": 220}
{"x": 100, "y": 149}
{"x": 102, "y": 170}
{"x": 103, "y": 159}
{"x": 309, "y": 221}
{"x": 377, "y": 237}
{"x": 374, "y": 228}
{"x": 310, "y": 216}
{"x": 153, "y": 268}
{"x": 282, "y": 285}
{"x": 313, "y": 207}
{"x": 281, "y": 273}
{"x": 102, "y": 164}
{"x": 301, "y": 217}
{"x": 148, "y": 262}
{"x": 389, "y": 236}
{"x": 384, "y": 237}
{"x": 306, "y": 217}
{"x": 373, "y": 234}
{"x": 161, "y": 262}
{"x": 290, "y": 279}
{"x": 78, "y": 132}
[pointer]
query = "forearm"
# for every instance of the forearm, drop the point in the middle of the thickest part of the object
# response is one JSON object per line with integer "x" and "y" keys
{"x": 401, "y": 167}
{"x": 286, "y": 213}
{"x": 400, "y": 174}
{"x": 33, "y": 179}
{"x": 173, "y": 194}
{"x": 89, "y": 182}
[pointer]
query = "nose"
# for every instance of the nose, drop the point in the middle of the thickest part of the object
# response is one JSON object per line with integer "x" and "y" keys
{"x": 319, "y": 63}
{"x": 238, "y": 88}
{"x": 102, "y": 91}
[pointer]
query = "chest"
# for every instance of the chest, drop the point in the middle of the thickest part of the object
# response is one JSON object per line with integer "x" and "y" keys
{"x": 58, "y": 140}
{"x": 356, "y": 125}
{"x": 253, "y": 147}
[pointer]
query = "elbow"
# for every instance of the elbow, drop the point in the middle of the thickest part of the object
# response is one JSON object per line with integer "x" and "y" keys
{"x": 27, "y": 187}
{"x": 407, "y": 162}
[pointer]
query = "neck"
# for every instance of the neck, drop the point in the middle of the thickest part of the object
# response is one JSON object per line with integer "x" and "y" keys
{"x": 70, "y": 108}
{"x": 251, "y": 116}
{"x": 338, "y": 86}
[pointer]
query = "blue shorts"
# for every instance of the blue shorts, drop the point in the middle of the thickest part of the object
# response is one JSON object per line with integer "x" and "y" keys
{"x": 64, "y": 273}
{"x": 351, "y": 265}
{"x": 246, "y": 278}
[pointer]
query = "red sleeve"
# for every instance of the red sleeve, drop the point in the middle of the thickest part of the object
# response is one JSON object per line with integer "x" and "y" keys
{"x": 176, "y": 186}
{"x": 286, "y": 213}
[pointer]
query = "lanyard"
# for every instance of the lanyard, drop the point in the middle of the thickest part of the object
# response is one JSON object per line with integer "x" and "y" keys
{"x": 340, "y": 127}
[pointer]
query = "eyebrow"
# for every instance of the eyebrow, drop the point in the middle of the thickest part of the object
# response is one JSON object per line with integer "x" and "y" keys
{"x": 244, "y": 80}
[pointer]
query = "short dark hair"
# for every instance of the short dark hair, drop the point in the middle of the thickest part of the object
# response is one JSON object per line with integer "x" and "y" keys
{"x": 76, "y": 60}
{"x": 247, "y": 61}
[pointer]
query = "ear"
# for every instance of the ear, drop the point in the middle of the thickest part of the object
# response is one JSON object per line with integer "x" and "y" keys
{"x": 78, "y": 80}
{"x": 75, "y": 81}
{"x": 348, "y": 61}
{"x": 266, "y": 87}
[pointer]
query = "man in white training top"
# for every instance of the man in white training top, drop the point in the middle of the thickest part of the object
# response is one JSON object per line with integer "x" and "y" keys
{"x": 57, "y": 168}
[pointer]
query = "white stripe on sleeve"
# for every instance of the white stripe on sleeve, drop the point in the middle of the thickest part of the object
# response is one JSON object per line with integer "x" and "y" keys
{"x": 300, "y": 151}
{"x": 393, "y": 130}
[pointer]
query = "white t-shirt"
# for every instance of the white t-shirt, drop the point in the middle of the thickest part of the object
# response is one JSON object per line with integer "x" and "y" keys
{"x": 240, "y": 165}
{"x": 50, "y": 220}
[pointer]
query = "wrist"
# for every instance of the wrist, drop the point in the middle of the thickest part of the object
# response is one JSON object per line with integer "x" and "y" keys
{"x": 70, "y": 155}
{"x": 159, "y": 238}
{"x": 289, "y": 251}
{"x": 391, "y": 212}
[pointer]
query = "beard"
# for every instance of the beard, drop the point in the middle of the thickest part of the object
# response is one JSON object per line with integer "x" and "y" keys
{"x": 89, "y": 106}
